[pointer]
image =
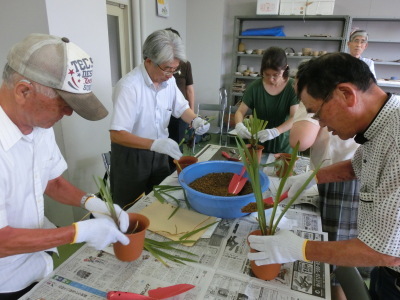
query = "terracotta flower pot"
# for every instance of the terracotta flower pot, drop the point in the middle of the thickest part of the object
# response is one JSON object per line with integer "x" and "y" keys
{"x": 259, "y": 151}
{"x": 264, "y": 272}
{"x": 282, "y": 169}
{"x": 134, "y": 249}
{"x": 184, "y": 161}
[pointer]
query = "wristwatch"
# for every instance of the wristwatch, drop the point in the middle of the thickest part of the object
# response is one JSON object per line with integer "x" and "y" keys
{"x": 86, "y": 198}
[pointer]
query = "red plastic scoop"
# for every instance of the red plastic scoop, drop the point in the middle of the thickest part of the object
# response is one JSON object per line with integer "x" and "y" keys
{"x": 228, "y": 157}
{"x": 155, "y": 294}
{"x": 237, "y": 182}
{"x": 270, "y": 200}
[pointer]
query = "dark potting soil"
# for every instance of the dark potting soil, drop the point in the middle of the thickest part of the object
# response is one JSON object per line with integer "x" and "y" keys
{"x": 217, "y": 184}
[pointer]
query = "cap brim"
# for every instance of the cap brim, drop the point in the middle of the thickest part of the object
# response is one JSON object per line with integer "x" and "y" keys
{"x": 88, "y": 106}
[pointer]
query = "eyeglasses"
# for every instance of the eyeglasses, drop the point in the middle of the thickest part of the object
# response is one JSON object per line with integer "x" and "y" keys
{"x": 358, "y": 41}
{"x": 274, "y": 76}
{"x": 318, "y": 112}
{"x": 172, "y": 72}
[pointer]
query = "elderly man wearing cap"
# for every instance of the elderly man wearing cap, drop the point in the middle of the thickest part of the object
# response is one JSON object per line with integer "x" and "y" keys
{"x": 358, "y": 42}
{"x": 144, "y": 100}
{"x": 45, "y": 78}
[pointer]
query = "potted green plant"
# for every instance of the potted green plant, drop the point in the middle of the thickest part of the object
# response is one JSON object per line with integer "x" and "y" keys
{"x": 254, "y": 125}
{"x": 187, "y": 160}
{"x": 136, "y": 233}
{"x": 252, "y": 166}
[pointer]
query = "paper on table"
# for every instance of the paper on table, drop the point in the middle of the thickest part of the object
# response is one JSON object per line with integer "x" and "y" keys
{"x": 182, "y": 222}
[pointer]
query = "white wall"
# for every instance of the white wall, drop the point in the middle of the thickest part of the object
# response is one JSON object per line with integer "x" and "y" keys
{"x": 205, "y": 21}
{"x": 85, "y": 140}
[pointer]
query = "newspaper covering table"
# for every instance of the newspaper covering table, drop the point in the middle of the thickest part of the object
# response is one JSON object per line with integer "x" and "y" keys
{"x": 221, "y": 272}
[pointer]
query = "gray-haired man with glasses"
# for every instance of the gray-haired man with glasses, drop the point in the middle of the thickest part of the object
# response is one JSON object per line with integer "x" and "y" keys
{"x": 144, "y": 100}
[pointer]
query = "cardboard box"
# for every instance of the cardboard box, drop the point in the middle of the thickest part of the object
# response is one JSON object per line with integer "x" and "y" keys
{"x": 320, "y": 7}
{"x": 293, "y": 7}
{"x": 267, "y": 7}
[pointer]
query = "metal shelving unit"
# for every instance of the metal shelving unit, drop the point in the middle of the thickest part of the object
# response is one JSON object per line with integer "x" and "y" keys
{"x": 301, "y": 32}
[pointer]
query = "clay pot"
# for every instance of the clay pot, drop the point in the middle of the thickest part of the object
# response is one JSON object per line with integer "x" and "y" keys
{"x": 285, "y": 158}
{"x": 134, "y": 249}
{"x": 183, "y": 162}
{"x": 306, "y": 51}
{"x": 259, "y": 151}
{"x": 264, "y": 272}
{"x": 241, "y": 47}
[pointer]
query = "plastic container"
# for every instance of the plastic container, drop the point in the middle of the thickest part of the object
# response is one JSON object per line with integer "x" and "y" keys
{"x": 217, "y": 206}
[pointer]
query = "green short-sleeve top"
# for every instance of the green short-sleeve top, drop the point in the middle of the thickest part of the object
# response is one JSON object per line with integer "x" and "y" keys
{"x": 273, "y": 108}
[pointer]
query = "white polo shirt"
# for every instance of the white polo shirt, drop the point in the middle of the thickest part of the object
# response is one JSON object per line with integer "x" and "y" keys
{"x": 377, "y": 164}
{"x": 27, "y": 163}
{"x": 327, "y": 148}
{"x": 143, "y": 110}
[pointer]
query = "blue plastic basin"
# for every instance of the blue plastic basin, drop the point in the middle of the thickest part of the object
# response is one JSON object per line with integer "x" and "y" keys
{"x": 217, "y": 206}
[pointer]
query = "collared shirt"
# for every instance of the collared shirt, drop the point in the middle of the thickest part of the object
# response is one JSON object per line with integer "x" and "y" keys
{"x": 327, "y": 148}
{"x": 370, "y": 64}
{"x": 377, "y": 164}
{"x": 144, "y": 110}
{"x": 27, "y": 163}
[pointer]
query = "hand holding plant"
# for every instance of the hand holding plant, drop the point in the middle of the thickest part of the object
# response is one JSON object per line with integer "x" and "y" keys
{"x": 254, "y": 125}
{"x": 107, "y": 209}
{"x": 100, "y": 209}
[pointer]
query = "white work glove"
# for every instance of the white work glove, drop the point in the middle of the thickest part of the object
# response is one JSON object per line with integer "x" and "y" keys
{"x": 294, "y": 183}
{"x": 200, "y": 126}
{"x": 99, "y": 210}
{"x": 242, "y": 131}
{"x": 98, "y": 233}
{"x": 267, "y": 134}
{"x": 280, "y": 248}
{"x": 167, "y": 146}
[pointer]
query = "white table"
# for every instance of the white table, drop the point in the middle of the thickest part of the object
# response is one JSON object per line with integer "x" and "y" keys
{"x": 222, "y": 271}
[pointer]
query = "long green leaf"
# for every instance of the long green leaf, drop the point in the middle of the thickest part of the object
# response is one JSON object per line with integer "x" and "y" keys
{"x": 189, "y": 234}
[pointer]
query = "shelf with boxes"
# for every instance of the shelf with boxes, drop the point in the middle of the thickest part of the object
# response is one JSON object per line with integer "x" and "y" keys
{"x": 383, "y": 48}
{"x": 295, "y": 7}
{"x": 318, "y": 34}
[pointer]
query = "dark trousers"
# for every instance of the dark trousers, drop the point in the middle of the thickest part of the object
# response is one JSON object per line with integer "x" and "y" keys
{"x": 134, "y": 171}
{"x": 384, "y": 284}
{"x": 16, "y": 295}
{"x": 176, "y": 131}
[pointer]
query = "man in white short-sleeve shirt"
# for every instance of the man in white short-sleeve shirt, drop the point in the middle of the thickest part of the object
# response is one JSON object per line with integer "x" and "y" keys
{"x": 358, "y": 42}
{"x": 144, "y": 100}
{"x": 342, "y": 93}
{"x": 45, "y": 78}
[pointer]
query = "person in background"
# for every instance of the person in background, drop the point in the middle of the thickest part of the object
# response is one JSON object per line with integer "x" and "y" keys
{"x": 274, "y": 99}
{"x": 338, "y": 200}
{"x": 358, "y": 42}
{"x": 184, "y": 81}
{"x": 343, "y": 95}
{"x": 144, "y": 100}
{"x": 45, "y": 78}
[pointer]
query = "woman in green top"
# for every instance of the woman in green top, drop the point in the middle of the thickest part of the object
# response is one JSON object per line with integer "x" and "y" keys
{"x": 274, "y": 99}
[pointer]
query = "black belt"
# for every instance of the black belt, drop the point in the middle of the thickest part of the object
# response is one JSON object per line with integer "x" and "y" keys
{"x": 392, "y": 272}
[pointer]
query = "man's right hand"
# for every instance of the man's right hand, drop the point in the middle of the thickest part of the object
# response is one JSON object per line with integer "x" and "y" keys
{"x": 167, "y": 146}
{"x": 242, "y": 131}
{"x": 98, "y": 233}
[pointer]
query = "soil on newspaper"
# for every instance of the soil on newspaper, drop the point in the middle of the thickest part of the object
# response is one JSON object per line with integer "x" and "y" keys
{"x": 217, "y": 184}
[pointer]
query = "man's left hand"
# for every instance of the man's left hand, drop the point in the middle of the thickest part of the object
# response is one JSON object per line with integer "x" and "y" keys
{"x": 200, "y": 125}
{"x": 99, "y": 210}
{"x": 280, "y": 248}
